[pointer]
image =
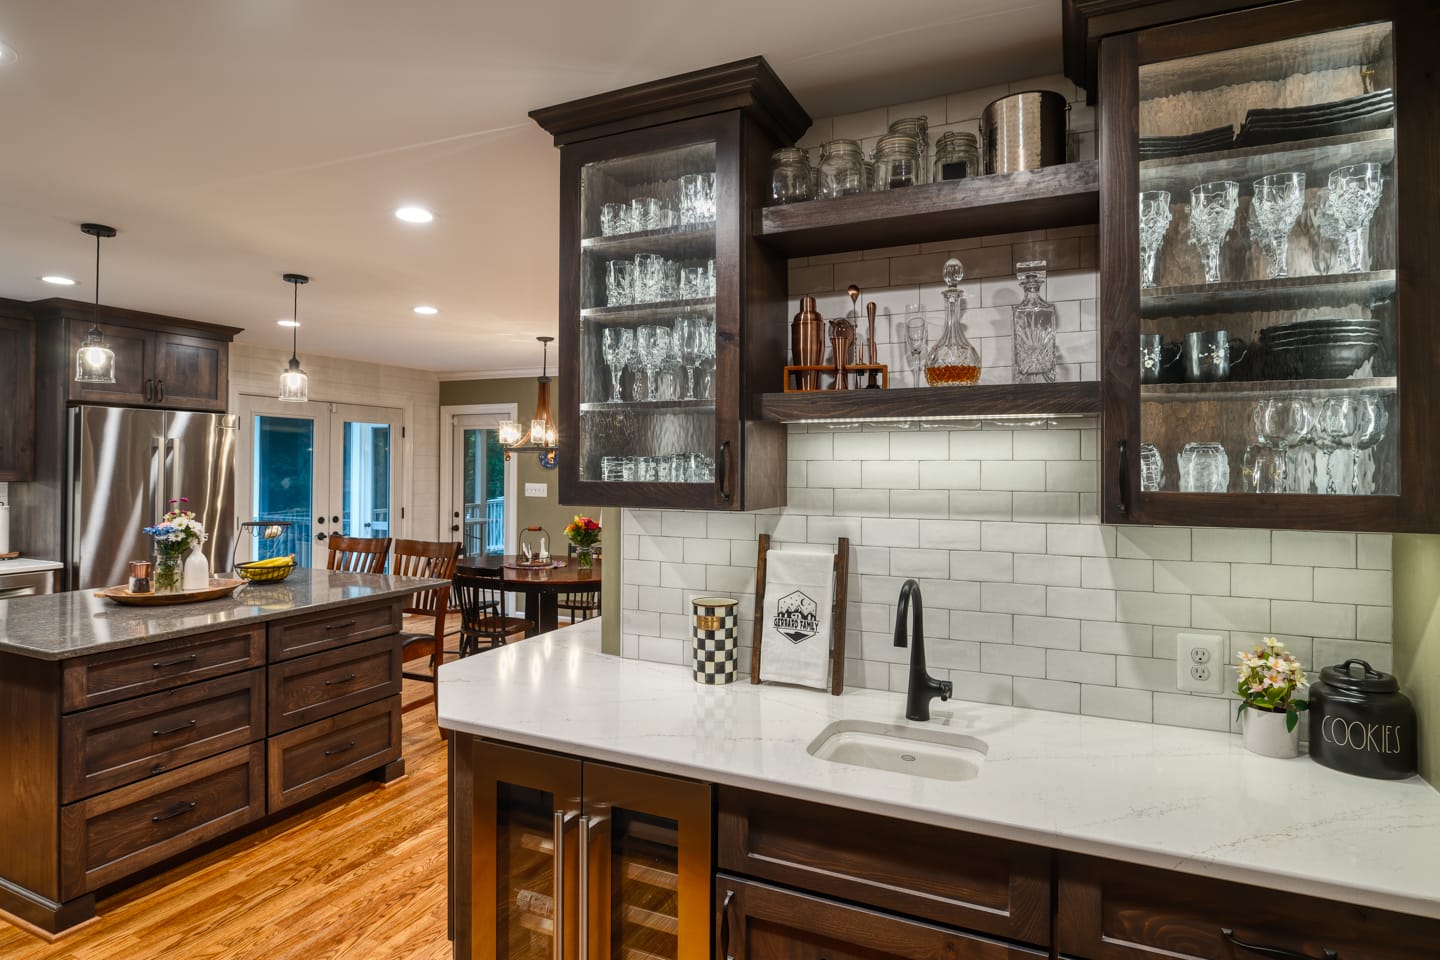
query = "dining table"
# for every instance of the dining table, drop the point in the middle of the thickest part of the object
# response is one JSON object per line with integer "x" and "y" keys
{"x": 540, "y": 586}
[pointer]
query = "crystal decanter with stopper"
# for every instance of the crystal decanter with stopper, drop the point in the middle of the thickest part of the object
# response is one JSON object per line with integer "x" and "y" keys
{"x": 953, "y": 360}
{"x": 1034, "y": 327}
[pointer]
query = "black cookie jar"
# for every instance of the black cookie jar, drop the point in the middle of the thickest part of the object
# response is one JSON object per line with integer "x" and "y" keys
{"x": 1361, "y": 723}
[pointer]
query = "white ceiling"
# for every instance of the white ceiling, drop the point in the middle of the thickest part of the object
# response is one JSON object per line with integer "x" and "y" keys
{"x": 231, "y": 141}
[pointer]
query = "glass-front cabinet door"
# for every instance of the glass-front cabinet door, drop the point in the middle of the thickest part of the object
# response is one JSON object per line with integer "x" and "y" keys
{"x": 1259, "y": 272}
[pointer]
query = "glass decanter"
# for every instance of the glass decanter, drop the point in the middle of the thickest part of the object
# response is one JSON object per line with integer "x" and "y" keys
{"x": 953, "y": 360}
{"x": 1034, "y": 327}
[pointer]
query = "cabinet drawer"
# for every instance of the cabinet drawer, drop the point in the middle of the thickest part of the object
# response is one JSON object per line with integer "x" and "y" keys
{"x": 108, "y": 747}
{"x": 311, "y": 759}
{"x": 119, "y": 674}
{"x": 324, "y": 684}
{"x": 954, "y": 878}
{"x": 114, "y": 834}
{"x": 1118, "y": 911}
{"x": 755, "y": 921}
{"x": 299, "y": 636}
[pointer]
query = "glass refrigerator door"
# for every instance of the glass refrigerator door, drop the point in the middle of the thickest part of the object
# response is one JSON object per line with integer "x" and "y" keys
{"x": 647, "y": 318}
{"x": 1269, "y": 347}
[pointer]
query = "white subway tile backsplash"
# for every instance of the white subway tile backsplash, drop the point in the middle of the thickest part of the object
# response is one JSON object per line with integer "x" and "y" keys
{"x": 950, "y": 534}
{"x": 949, "y": 654}
{"x": 731, "y": 526}
{"x": 920, "y": 563}
{"x": 1033, "y": 507}
{"x": 1012, "y": 475}
{"x": 703, "y": 551}
{"x": 1329, "y": 652}
{"x": 981, "y": 687}
{"x": 984, "y": 445}
{"x": 829, "y": 473}
{"x": 1079, "y": 476}
{"x": 950, "y": 474}
{"x": 922, "y": 445}
{"x": 1145, "y": 673}
{"x": 1231, "y": 613}
{"x": 1047, "y": 569}
{"x": 1134, "y": 606}
{"x": 989, "y": 628}
{"x": 1051, "y": 632}
{"x": 980, "y": 505}
{"x": 1273, "y": 581}
{"x": 1372, "y": 551}
{"x": 674, "y": 523}
{"x": 1181, "y": 576}
{"x": 980, "y": 565}
{"x": 1353, "y": 586}
{"x": 1313, "y": 619}
{"x": 1011, "y": 597}
{"x": 862, "y": 446}
{"x": 1080, "y": 540}
{"x": 1374, "y": 623}
{"x": 1057, "y": 695}
{"x": 1012, "y": 537}
{"x": 1116, "y": 702}
{"x": 1130, "y": 639}
{"x": 893, "y": 474}
{"x": 1306, "y": 548}
{"x": 925, "y": 505}
{"x": 1080, "y": 603}
{"x": 1230, "y": 545}
{"x": 1046, "y": 445}
{"x": 861, "y": 503}
{"x": 1008, "y": 658}
{"x": 1079, "y": 666}
{"x": 1153, "y": 543}
{"x": 1112, "y": 573}
{"x": 1200, "y": 713}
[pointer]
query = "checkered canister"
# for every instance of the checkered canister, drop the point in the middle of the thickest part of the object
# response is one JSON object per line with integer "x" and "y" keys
{"x": 715, "y": 635}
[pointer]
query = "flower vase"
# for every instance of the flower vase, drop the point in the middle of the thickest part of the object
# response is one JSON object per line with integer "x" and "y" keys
{"x": 196, "y": 572}
{"x": 584, "y": 558}
{"x": 1265, "y": 734}
{"x": 169, "y": 572}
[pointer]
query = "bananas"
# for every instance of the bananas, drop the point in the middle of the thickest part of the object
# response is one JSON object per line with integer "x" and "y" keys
{"x": 272, "y": 562}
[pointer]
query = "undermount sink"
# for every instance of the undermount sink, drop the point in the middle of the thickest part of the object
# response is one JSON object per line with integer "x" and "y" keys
{"x": 935, "y": 754}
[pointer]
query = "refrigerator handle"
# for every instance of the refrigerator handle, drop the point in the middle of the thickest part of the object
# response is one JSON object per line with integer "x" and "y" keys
{"x": 175, "y": 450}
{"x": 157, "y": 478}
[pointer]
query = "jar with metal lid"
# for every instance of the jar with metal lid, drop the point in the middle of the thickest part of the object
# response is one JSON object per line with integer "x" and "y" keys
{"x": 897, "y": 161}
{"x": 842, "y": 170}
{"x": 957, "y": 156}
{"x": 1361, "y": 723}
{"x": 790, "y": 176}
{"x": 919, "y": 128}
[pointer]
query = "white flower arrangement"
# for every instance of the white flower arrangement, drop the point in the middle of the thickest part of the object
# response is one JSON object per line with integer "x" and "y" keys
{"x": 1269, "y": 678}
{"x": 178, "y": 530}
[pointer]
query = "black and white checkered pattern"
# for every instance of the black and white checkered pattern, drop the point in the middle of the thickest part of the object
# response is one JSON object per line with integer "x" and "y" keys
{"x": 716, "y": 644}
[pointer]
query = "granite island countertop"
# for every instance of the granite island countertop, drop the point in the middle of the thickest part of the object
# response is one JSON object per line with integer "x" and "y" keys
{"x": 1188, "y": 800}
{"x": 59, "y": 626}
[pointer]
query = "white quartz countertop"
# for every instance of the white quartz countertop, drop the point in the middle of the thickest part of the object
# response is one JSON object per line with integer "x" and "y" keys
{"x": 1168, "y": 797}
{"x": 27, "y": 565}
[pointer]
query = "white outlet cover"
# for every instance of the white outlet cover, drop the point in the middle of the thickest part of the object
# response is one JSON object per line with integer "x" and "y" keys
{"x": 537, "y": 489}
{"x": 1200, "y": 663}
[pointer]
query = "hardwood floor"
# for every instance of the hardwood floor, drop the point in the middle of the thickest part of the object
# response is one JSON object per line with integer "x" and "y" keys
{"x": 360, "y": 876}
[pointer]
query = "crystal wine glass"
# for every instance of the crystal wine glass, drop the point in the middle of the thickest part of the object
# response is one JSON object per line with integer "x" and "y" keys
{"x": 1212, "y": 214}
{"x": 705, "y": 355}
{"x": 917, "y": 341}
{"x": 1154, "y": 222}
{"x": 1281, "y": 423}
{"x": 618, "y": 345}
{"x": 686, "y": 337}
{"x": 1354, "y": 194}
{"x": 1336, "y": 419}
{"x": 652, "y": 344}
{"x": 1275, "y": 208}
{"x": 1369, "y": 431}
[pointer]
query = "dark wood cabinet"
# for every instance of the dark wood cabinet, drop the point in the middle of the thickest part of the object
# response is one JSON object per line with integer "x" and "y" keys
{"x": 1325, "y": 426}
{"x": 17, "y": 392}
{"x": 685, "y": 436}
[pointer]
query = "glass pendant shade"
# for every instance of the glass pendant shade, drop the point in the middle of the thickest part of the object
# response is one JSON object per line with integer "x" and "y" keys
{"x": 294, "y": 384}
{"x": 509, "y": 433}
{"x": 541, "y": 433}
{"x": 95, "y": 361}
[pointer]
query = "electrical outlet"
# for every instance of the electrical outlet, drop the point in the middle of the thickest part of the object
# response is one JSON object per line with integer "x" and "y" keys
{"x": 537, "y": 489}
{"x": 1199, "y": 662}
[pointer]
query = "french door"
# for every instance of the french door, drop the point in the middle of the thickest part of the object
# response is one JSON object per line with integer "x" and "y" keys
{"x": 327, "y": 469}
{"x": 477, "y": 489}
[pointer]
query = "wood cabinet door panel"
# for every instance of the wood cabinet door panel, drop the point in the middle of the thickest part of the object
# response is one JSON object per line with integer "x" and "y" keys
{"x": 133, "y": 671}
{"x": 191, "y": 373}
{"x": 324, "y": 684}
{"x": 299, "y": 636}
{"x": 311, "y": 759}
{"x": 17, "y": 398}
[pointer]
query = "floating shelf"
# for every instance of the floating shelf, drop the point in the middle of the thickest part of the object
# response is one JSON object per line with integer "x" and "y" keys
{"x": 979, "y": 402}
{"x": 648, "y": 408}
{"x": 1287, "y": 293}
{"x": 647, "y": 311}
{"x": 1060, "y": 196}
{"x": 681, "y": 243}
{"x": 1315, "y": 158}
{"x": 1256, "y": 389}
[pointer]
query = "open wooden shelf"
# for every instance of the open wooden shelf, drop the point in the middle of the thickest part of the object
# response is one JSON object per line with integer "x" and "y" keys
{"x": 979, "y": 402}
{"x": 1061, "y": 196}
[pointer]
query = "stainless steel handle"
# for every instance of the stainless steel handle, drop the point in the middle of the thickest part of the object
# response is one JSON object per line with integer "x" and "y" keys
{"x": 585, "y": 823}
{"x": 725, "y": 926}
{"x": 1278, "y": 952}
{"x": 558, "y": 891}
{"x": 175, "y": 450}
{"x": 157, "y": 476}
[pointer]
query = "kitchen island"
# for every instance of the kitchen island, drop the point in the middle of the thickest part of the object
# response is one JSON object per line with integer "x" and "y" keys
{"x": 129, "y": 736}
{"x": 1098, "y": 838}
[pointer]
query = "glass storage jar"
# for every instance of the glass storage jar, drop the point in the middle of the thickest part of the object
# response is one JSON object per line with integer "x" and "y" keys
{"x": 790, "y": 176}
{"x": 842, "y": 170}
{"x": 957, "y": 156}
{"x": 919, "y": 128}
{"x": 897, "y": 161}
{"x": 953, "y": 360}
{"x": 1035, "y": 323}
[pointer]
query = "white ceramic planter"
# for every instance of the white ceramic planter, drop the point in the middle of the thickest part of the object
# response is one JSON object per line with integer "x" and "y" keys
{"x": 196, "y": 571}
{"x": 1266, "y": 735}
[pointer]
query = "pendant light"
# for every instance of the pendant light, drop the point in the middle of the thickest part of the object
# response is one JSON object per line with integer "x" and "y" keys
{"x": 294, "y": 384}
{"x": 95, "y": 361}
{"x": 543, "y": 433}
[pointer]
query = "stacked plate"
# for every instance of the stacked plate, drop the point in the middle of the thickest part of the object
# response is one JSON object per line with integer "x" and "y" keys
{"x": 1329, "y": 349}
{"x": 1371, "y": 111}
{"x": 1163, "y": 148}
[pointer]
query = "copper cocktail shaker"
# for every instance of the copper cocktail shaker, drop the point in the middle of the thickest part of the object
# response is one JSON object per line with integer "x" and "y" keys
{"x": 807, "y": 342}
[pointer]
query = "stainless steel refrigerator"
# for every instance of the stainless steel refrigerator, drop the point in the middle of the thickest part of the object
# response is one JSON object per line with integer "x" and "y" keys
{"x": 125, "y": 466}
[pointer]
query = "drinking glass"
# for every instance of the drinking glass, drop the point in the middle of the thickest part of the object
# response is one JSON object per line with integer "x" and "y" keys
{"x": 686, "y": 337}
{"x": 652, "y": 343}
{"x": 1204, "y": 468}
{"x": 1282, "y": 422}
{"x": 654, "y": 279}
{"x": 1154, "y": 222}
{"x": 1275, "y": 208}
{"x": 1264, "y": 469}
{"x": 619, "y": 283}
{"x": 617, "y": 345}
{"x": 614, "y": 219}
{"x": 1336, "y": 420}
{"x": 1369, "y": 431}
{"x": 709, "y": 279}
{"x": 691, "y": 187}
{"x": 1354, "y": 194}
{"x": 692, "y": 283}
{"x": 1212, "y": 214}
{"x": 705, "y": 352}
{"x": 1152, "y": 468}
{"x": 707, "y": 198}
{"x": 644, "y": 213}
{"x": 917, "y": 341}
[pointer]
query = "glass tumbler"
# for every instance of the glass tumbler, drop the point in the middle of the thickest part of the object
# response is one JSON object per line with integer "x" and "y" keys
{"x": 1204, "y": 468}
{"x": 614, "y": 219}
{"x": 1152, "y": 468}
{"x": 619, "y": 283}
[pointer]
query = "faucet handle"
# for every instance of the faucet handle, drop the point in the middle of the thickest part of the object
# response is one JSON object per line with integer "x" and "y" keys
{"x": 947, "y": 689}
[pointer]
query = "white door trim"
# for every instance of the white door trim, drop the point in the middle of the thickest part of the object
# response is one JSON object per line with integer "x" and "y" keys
{"x": 448, "y": 416}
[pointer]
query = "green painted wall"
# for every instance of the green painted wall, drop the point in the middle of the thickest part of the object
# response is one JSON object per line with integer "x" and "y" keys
{"x": 1416, "y": 561}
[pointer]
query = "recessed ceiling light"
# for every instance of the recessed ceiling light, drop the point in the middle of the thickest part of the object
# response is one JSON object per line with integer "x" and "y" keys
{"x": 427, "y": 311}
{"x": 58, "y": 280}
{"x": 414, "y": 215}
{"x": 7, "y": 53}
{"x": 288, "y": 323}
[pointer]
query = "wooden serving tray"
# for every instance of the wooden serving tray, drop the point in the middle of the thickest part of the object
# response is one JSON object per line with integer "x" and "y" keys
{"x": 216, "y": 590}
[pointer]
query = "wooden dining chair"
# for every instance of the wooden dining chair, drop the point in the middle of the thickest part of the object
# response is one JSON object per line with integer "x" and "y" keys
{"x": 480, "y": 595}
{"x": 581, "y": 603}
{"x": 358, "y": 554}
{"x": 427, "y": 619}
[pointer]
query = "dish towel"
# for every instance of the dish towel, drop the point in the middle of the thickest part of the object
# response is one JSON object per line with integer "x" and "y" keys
{"x": 795, "y": 631}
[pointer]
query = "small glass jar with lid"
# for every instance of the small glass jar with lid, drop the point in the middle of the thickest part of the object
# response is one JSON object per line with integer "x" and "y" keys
{"x": 842, "y": 170}
{"x": 897, "y": 162}
{"x": 957, "y": 156}
{"x": 919, "y": 128}
{"x": 790, "y": 176}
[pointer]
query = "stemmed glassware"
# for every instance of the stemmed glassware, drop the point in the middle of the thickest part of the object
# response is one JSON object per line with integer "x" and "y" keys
{"x": 618, "y": 346}
{"x": 1274, "y": 209}
{"x": 1369, "y": 431}
{"x": 1354, "y": 194}
{"x": 1154, "y": 222}
{"x": 686, "y": 338}
{"x": 705, "y": 354}
{"x": 1336, "y": 420}
{"x": 1281, "y": 423}
{"x": 652, "y": 345}
{"x": 1212, "y": 214}
{"x": 917, "y": 341}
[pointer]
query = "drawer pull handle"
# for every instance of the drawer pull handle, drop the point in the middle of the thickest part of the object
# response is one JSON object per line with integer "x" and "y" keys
{"x": 183, "y": 807}
{"x": 1280, "y": 953}
{"x": 162, "y": 664}
{"x": 340, "y": 626}
{"x": 169, "y": 730}
{"x": 334, "y": 750}
{"x": 725, "y": 926}
{"x": 331, "y": 683}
